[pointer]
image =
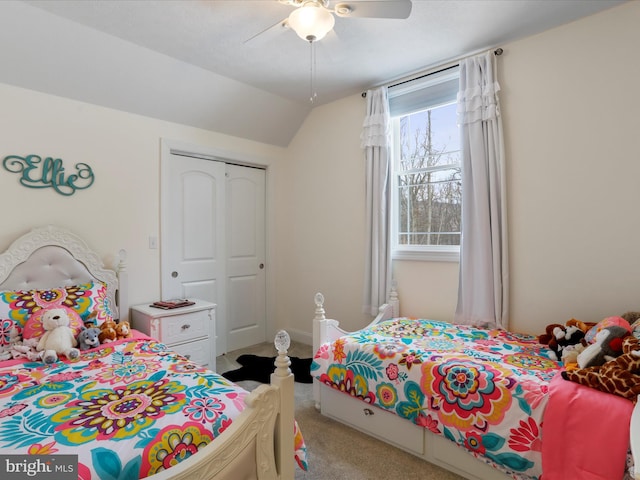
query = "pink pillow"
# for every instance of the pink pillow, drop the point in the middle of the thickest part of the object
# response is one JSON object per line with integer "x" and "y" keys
{"x": 86, "y": 298}
{"x": 34, "y": 329}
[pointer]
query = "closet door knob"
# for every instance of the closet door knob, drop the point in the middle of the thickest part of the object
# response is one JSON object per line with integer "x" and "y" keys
{"x": 261, "y": 266}
{"x": 174, "y": 274}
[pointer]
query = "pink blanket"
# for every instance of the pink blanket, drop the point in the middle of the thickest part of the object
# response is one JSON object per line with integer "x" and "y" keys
{"x": 585, "y": 433}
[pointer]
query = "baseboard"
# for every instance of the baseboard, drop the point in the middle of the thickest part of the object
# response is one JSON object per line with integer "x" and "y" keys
{"x": 299, "y": 336}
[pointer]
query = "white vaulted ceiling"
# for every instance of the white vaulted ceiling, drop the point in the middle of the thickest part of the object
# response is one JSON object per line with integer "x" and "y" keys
{"x": 190, "y": 62}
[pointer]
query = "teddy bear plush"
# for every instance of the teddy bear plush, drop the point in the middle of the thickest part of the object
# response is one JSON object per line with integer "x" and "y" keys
{"x": 108, "y": 332}
{"x": 58, "y": 338}
{"x": 123, "y": 330}
{"x": 89, "y": 338}
{"x": 620, "y": 376}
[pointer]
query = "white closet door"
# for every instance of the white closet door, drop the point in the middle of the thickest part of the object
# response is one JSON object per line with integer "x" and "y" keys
{"x": 213, "y": 243}
{"x": 245, "y": 253}
{"x": 193, "y": 233}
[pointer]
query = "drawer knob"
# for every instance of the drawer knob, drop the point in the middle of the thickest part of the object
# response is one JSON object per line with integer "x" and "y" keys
{"x": 367, "y": 411}
{"x": 186, "y": 326}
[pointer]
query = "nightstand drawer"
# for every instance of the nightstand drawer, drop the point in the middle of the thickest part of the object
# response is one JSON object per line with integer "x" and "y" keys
{"x": 189, "y": 330}
{"x": 197, "y": 351}
{"x": 180, "y": 328}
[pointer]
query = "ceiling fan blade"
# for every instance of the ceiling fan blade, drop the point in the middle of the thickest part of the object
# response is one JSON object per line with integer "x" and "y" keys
{"x": 374, "y": 9}
{"x": 269, "y": 32}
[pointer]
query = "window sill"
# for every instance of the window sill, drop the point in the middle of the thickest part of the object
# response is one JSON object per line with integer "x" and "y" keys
{"x": 427, "y": 256}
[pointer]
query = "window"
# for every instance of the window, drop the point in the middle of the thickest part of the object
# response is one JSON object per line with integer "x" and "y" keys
{"x": 426, "y": 176}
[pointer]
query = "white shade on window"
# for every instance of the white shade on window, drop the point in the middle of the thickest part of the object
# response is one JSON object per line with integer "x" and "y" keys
{"x": 408, "y": 97}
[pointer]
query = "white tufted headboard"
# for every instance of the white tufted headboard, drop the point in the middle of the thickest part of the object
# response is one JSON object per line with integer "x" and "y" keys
{"x": 50, "y": 256}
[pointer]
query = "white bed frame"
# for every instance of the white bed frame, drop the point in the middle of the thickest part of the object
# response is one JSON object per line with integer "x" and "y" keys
{"x": 259, "y": 444}
{"x": 396, "y": 431}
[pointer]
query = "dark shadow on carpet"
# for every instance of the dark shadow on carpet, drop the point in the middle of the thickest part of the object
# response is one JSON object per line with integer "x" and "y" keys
{"x": 260, "y": 369}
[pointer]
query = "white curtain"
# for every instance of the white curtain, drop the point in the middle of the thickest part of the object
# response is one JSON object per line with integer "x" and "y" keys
{"x": 376, "y": 141}
{"x": 484, "y": 267}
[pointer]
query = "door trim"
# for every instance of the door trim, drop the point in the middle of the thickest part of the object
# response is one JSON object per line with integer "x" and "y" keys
{"x": 168, "y": 147}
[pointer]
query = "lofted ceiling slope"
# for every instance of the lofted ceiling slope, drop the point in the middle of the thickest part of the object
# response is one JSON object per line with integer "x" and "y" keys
{"x": 189, "y": 61}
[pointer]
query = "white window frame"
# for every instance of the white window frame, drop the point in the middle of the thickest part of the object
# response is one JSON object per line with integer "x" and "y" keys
{"x": 437, "y": 253}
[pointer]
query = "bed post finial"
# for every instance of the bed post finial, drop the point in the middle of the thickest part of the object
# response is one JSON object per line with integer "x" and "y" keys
{"x": 282, "y": 343}
{"x": 319, "y": 300}
{"x": 318, "y": 334}
{"x": 283, "y": 379}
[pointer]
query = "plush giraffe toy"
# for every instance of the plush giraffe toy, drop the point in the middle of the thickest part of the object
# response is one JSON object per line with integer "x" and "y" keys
{"x": 620, "y": 376}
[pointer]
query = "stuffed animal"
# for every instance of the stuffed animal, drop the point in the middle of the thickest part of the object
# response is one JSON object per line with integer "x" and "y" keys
{"x": 108, "y": 332}
{"x": 89, "y": 338}
{"x": 19, "y": 348}
{"x": 92, "y": 320}
{"x": 559, "y": 337}
{"x": 548, "y": 338}
{"x": 631, "y": 317}
{"x": 28, "y": 348}
{"x": 634, "y": 320}
{"x": 570, "y": 355}
{"x": 607, "y": 346}
{"x": 58, "y": 338}
{"x": 620, "y": 376}
{"x": 123, "y": 330}
{"x": 7, "y": 351}
{"x": 590, "y": 337}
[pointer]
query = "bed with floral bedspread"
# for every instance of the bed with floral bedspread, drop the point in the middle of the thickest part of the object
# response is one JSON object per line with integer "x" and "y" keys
{"x": 128, "y": 409}
{"x": 485, "y": 390}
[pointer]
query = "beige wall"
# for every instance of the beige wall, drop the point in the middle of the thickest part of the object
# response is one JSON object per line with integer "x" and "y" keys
{"x": 122, "y": 208}
{"x": 570, "y": 102}
{"x": 321, "y": 229}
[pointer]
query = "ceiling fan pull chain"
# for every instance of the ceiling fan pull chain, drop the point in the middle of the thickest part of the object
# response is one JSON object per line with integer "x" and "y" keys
{"x": 312, "y": 62}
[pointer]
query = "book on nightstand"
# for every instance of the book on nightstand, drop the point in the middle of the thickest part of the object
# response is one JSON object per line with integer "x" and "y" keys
{"x": 174, "y": 303}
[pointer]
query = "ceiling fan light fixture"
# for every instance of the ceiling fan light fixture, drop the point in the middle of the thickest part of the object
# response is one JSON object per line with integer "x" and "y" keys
{"x": 311, "y": 21}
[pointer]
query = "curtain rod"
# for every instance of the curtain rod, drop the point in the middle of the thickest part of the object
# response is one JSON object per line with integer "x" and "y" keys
{"x": 497, "y": 52}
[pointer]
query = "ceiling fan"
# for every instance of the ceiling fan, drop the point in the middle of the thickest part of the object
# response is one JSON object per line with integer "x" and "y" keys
{"x": 313, "y": 19}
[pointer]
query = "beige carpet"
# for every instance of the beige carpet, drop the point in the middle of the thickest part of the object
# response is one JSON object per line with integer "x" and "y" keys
{"x": 335, "y": 451}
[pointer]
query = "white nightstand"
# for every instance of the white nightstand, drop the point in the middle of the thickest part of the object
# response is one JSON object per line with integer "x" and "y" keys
{"x": 189, "y": 331}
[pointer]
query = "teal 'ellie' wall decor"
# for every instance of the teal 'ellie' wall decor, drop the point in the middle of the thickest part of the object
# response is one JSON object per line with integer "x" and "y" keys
{"x": 38, "y": 173}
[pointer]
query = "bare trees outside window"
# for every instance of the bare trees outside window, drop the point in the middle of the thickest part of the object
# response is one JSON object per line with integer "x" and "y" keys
{"x": 428, "y": 178}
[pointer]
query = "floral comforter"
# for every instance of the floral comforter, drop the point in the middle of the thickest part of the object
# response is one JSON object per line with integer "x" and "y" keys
{"x": 485, "y": 390}
{"x": 128, "y": 409}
